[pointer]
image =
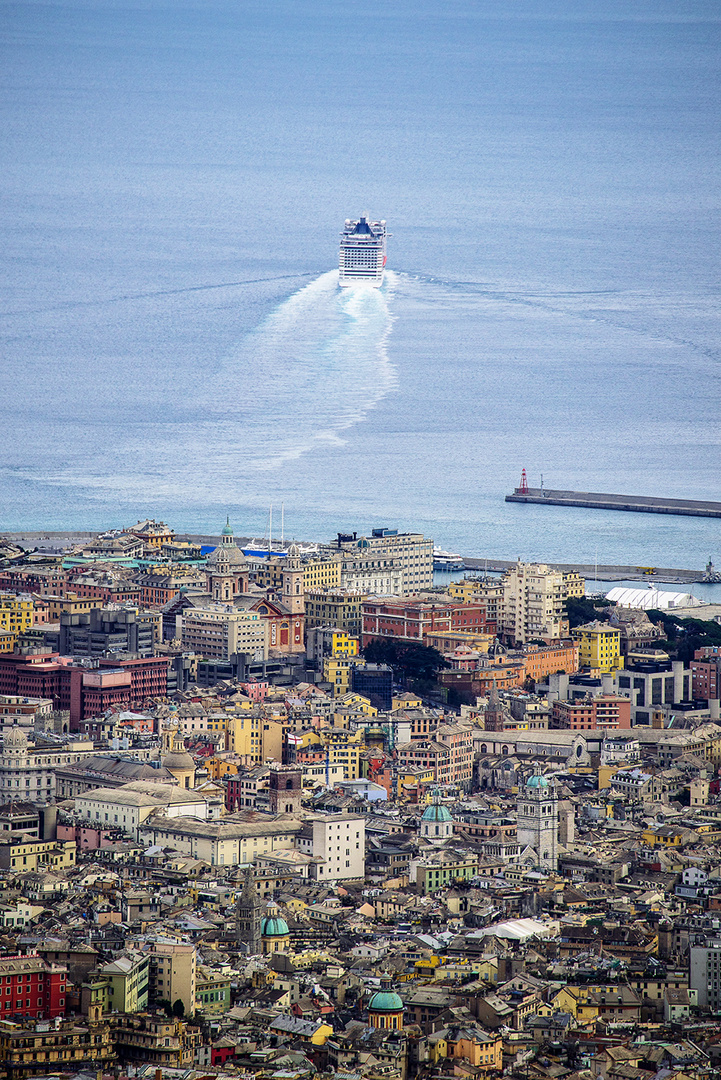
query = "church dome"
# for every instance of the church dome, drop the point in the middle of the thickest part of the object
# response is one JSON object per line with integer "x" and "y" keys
{"x": 537, "y": 781}
{"x": 15, "y": 739}
{"x": 178, "y": 758}
{"x": 274, "y": 926}
{"x": 436, "y": 813}
{"x": 385, "y": 1001}
{"x": 226, "y": 555}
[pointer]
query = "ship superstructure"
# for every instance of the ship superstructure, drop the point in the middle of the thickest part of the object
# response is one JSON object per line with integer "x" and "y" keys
{"x": 362, "y": 253}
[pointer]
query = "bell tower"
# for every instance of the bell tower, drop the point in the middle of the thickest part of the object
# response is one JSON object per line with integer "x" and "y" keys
{"x": 293, "y": 591}
{"x": 538, "y": 820}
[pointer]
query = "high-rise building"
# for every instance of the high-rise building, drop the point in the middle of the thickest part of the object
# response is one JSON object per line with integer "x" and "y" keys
{"x": 537, "y": 826}
{"x": 533, "y": 604}
{"x": 705, "y": 973}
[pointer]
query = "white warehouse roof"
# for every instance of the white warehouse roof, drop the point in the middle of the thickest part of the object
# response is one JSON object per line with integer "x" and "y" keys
{"x": 652, "y": 598}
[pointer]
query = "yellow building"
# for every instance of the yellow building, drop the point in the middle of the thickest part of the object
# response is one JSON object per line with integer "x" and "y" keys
{"x": 351, "y": 700}
{"x": 342, "y": 644}
{"x": 599, "y": 646}
{"x": 334, "y": 607}
{"x": 71, "y": 604}
{"x": 41, "y": 855}
{"x": 406, "y": 700}
{"x": 322, "y": 573}
{"x": 573, "y": 584}
{"x": 218, "y": 768}
{"x": 255, "y": 737}
{"x": 336, "y": 671}
{"x": 17, "y": 614}
{"x": 7, "y": 641}
{"x": 468, "y": 1042}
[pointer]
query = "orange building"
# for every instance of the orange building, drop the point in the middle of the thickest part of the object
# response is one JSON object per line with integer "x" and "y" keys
{"x": 544, "y": 660}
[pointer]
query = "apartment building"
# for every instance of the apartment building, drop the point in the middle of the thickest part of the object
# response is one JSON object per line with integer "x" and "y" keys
{"x": 533, "y": 603}
{"x": 338, "y": 841}
{"x": 221, "y": 631}
{"x": 608, "y": 712}
{"x": 334, "y": 607}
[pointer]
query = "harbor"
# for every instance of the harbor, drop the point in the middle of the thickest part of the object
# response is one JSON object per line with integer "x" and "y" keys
{"x": 640, "y": 504}
{"x": 591, "y": 571}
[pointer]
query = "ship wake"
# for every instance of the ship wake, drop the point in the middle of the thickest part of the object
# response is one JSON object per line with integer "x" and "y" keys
{"x": 314, "y": 368}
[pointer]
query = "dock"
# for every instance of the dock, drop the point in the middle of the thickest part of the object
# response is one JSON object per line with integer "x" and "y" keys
{"x": 638, "y": 504}
{"x": 651, "y": 575}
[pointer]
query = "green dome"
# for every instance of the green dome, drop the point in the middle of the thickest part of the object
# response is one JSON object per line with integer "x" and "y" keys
{"x": 274, "y": 926}
{"x": 537, "y": 782}
{"x": 385, "y": 1001}
{"x": 437, "y": 813}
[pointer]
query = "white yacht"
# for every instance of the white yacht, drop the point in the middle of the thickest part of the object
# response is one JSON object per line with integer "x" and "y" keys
{"x": 362, "y": 253}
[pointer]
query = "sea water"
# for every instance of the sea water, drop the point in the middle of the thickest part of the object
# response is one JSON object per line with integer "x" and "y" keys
{"x": 175, "y": 178}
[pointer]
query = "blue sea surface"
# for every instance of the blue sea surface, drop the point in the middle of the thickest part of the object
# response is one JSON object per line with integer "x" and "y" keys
{"x": 174, "y": 180}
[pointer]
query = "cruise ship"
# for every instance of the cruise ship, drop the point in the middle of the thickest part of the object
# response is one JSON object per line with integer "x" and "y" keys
{"x": 362, "y": 253}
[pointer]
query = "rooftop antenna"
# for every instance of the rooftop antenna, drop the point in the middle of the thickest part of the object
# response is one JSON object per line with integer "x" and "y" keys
{"x": 282, "y": 525}
{"x": 270, "y": 538}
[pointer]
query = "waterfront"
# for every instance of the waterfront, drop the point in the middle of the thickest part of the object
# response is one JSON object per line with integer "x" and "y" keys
{"x": 173, "y": 343}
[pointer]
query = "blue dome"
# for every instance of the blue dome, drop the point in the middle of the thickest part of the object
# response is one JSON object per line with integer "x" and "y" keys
{"x": 434, "y": 812}
{"x": 274, "y": 926}
{"x": 537, "y": 782}
{"x": 385, "y": 1001}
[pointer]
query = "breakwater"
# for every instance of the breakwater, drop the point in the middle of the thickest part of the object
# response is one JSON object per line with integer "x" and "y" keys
{"x": 640, "y": 504}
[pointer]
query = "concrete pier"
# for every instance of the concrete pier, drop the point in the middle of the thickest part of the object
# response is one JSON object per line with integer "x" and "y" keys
{"x": 640, "y": 504}
{"x": 661, "y": 574}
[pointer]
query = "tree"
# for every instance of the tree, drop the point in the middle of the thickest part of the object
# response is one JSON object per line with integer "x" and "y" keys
{"x": 409, "y": 660}
{"x": 178, "y": 1008}
{"x": 580, "y": 610}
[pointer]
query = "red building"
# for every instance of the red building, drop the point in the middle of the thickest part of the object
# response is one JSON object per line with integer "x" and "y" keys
{"x": 608, "y": 712}
{"x": 706, "y": 673}
{"x": 413, "y": 620}
{"x": 31, "y": 986}
{"x": 84, "y": 692}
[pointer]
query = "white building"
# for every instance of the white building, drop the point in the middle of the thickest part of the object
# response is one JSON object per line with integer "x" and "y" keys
{"x": 29, "y": 774}
{"x": 128, "y": 806}
{"x": 220, "y": 631}
{"x": 403, "y": 562}
{"x": 705, "y": 973}
{"x": 337, "y": 844}
{"x": 620, "y": 750}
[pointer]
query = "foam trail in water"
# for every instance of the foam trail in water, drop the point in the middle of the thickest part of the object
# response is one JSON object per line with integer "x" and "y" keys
{"x": 313, "y": 368}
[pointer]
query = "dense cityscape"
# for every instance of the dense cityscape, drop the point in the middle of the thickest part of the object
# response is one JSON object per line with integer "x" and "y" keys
{"x": 281, "y": 813}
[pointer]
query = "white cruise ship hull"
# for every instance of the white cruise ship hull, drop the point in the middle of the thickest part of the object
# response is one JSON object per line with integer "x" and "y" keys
{"x": 362, "y": 254}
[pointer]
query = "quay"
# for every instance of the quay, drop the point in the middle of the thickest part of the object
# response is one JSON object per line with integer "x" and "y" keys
{"x": 667, "y": 575}
{"x": 640, "y": 504}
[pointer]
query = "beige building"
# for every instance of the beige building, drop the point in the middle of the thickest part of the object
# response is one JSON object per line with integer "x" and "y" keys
{"x": 227, "y": 842}
{"x": 402, "y": 562}
{"x": 335, "y": 607}
{"x": 533, "y": 603}
{"x": 220, "y": 631}
{"x": 128, "y": 806}
{"x": 173, "y": 973}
